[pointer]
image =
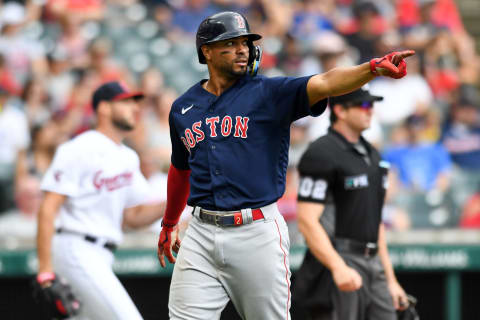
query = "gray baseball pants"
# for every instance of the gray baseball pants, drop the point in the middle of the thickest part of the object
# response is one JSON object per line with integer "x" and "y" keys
{"x": 248, "y": 264}
{"x": 373, "y": 300}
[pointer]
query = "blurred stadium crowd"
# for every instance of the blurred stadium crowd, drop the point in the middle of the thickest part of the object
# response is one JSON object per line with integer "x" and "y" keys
{"x": 54, "y": 53}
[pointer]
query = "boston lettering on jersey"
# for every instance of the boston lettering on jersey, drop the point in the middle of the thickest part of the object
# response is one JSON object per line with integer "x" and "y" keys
{"x": 196, "y": 134}
{"x": 236, "y": 144}
{"x": 112, "y": 183}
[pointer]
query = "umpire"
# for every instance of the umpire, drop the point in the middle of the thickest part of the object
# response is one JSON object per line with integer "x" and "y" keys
{"x": 342, "y": 173}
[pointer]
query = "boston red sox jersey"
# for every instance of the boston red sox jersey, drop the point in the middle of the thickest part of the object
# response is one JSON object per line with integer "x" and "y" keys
{"x": 100, "y": 179}
{"x": 236, "y": 144}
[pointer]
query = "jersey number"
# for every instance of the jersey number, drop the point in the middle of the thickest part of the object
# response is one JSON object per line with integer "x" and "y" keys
{"x": 315, "y": 189}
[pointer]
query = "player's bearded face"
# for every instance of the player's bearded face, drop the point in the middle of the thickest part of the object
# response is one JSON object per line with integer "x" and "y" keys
{"x": 123, "y": 115}
{"x": 232, "y": 58}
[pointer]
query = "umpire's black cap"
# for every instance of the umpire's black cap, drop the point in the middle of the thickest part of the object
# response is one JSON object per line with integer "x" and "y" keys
{"x": 113, "y": 91}
{"x": 355, "y": 97}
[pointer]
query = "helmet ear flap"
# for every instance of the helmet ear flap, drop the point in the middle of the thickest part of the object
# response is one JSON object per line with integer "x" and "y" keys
{"x": 255, "y": 58}
{"x": 252, "y": 52}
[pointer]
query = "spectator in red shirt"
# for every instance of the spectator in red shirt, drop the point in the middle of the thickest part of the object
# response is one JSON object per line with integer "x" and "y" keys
{"x": 470, "y": 218}
{"x": 84, "y": 9}
{"x": 439, "y": 12}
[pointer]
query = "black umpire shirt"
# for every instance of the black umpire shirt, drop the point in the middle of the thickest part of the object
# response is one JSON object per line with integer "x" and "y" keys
{"x": 352, "y": 176}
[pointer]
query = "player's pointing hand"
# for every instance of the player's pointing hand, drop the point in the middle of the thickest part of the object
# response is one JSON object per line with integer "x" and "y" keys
{"x": 392, "y": 65}
{"x": 399, "y": 56}
{"x": 165, "y": 244}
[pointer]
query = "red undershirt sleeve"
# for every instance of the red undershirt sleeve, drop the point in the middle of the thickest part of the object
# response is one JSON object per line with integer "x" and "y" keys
{"x": 178, "y": 190}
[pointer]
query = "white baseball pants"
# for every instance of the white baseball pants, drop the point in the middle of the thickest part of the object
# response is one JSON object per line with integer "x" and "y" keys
{"x": 87, "y": 267}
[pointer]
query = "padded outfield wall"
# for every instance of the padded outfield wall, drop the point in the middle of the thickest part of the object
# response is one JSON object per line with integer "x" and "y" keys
{"x": 443, "y": 274}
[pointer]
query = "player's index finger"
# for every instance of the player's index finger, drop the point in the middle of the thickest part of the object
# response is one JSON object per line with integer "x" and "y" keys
{"x": 162, "y": 260}
{"x": 161, "y": 257}
{"x": 404, "y": 54}
{"x": 169, "y": 255}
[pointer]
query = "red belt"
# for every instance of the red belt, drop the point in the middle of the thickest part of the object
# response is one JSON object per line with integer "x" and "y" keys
{"x": 228, "y": 218}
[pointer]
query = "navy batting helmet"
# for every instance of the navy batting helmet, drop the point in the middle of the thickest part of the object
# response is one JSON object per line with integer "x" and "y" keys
{"x": 223, "y": 26}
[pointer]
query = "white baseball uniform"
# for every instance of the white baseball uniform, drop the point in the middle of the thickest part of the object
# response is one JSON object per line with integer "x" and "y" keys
{"x": 100, "y": 179}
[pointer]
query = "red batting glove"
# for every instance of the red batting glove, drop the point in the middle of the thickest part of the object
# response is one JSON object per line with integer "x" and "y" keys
{"x": 165, "y": 244}
{"x": 392, "y": 65}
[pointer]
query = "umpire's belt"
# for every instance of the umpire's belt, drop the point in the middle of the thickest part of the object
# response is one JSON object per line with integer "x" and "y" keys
{"x": 228, "y": 218}
{"x": 367, "y": 249}
{"x": 109, "y": 245}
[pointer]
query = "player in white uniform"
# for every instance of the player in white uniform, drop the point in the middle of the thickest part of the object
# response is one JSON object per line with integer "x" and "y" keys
{"x": 96, "y": 187}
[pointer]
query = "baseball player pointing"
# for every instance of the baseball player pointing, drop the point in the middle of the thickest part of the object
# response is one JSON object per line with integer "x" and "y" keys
{"x": 230, "y": 138}
{"x": 95, "y": 186}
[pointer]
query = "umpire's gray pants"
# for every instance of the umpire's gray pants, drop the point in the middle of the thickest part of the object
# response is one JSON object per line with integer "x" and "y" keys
{"x": 247, "y": 264}
{"x": 373, "y": 300}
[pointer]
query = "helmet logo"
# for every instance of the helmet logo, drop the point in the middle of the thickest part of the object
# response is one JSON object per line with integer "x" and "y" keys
{"x": 240, "y": 21}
